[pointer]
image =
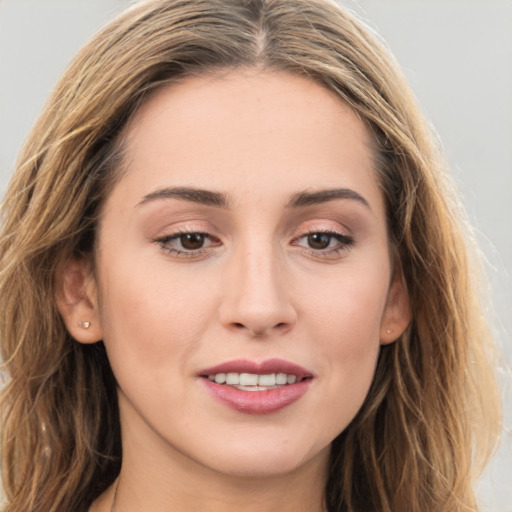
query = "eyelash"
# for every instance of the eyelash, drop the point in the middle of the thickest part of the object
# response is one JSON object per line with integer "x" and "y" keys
{"x": 186, "y": 253}
{"x": 344, "y": 243}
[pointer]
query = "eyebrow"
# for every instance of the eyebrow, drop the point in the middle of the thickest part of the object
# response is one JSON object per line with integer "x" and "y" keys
{"x": 305, "y": 198}
{"x": 220, "y": 200}
{"x": 194, "y": 195}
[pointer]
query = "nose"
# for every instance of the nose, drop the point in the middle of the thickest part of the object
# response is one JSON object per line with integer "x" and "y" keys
{"x": 256, "y": 298}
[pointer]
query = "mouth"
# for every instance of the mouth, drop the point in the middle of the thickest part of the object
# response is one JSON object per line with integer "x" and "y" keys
{"x": 254, "y": 381}
{"x": 251, "y": 387}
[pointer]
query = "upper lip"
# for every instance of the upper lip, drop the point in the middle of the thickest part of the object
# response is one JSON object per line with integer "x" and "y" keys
{"x": 265, "y": 367}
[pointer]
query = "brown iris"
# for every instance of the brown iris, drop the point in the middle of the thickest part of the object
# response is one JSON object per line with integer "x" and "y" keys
{"x": 192, "y": 241}
{"x": 319, "y": 240}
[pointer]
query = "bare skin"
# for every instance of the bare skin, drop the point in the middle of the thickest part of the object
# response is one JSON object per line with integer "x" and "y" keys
{"x": 248, "y": 225}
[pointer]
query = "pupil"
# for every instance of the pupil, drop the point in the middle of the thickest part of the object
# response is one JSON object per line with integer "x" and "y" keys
{"x": 192, "y": 240}
{"x": 319, "y": 240}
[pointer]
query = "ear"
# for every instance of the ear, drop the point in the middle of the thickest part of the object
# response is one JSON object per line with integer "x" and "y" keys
{"x": 397, "y": 313}
{"x": 77, "y": 301}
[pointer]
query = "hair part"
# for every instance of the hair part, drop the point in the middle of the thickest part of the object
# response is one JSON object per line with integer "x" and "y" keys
{"x": 431, "y": 413}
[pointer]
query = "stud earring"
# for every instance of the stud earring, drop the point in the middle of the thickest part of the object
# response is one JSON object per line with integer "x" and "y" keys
{"x": 389, "y": 331}
{"x": 84, "y": 325}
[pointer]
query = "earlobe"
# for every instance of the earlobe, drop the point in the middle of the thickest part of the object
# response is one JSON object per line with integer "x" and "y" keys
{"x": 77, "y": 301}
{"x": 397, "y": 314}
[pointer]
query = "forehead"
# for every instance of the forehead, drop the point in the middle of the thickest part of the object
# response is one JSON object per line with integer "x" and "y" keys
{"x": 247, "y": 130}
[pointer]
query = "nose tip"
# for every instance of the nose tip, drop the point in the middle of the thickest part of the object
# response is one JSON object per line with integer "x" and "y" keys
{"x": 256, "y": 300}
{"x": 260, "y": 330}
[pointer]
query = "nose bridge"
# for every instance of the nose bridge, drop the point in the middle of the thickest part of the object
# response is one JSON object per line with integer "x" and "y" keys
{"x": 257, "y": 298}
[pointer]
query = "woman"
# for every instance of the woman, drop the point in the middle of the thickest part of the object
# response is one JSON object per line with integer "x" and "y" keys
{"x": 235, "y": 277}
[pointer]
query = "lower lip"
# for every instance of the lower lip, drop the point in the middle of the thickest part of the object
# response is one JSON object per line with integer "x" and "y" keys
{"x": 258, "y": 402}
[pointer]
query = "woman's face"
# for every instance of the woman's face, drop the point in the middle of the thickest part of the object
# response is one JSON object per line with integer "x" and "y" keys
{"x": 246, "y": 241}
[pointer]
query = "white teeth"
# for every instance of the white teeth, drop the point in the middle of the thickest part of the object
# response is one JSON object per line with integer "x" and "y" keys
{"x": 248, "y": 379}
{"x": 281, "y": 379}
{"x": 220, "y": 378}
{"x": 267, "y": 380}
{"x": 232, "y": 379}
{"x": 254, "y": 388}
{"x": 254, "y": 381}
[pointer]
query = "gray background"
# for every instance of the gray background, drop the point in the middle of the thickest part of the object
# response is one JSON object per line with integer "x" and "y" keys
{"x": 457, "y": 55}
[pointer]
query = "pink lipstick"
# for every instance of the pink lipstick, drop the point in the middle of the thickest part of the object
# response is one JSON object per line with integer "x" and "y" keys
{"x": 257, "y": 388}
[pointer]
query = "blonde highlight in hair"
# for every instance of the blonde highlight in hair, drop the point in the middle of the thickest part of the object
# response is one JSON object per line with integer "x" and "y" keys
{"x": 431, "y": 417}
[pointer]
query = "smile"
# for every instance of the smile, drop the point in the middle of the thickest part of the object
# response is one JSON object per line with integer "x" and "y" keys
{"x": 253, "y": 381}
{"x": 257, "y": 388}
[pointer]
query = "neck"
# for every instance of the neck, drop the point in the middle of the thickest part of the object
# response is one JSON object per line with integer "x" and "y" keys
{"x": 297, "y": 491}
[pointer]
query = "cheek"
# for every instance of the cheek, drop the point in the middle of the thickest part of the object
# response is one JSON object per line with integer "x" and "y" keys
{"x": 349, "y": 371}
{"x": 345, "y": 324}
{"x": 150, "y": 314}
{"x": 348, "y": 306}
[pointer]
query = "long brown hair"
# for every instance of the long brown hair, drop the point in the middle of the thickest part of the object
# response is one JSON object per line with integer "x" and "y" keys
{"x": 431, "y": 417}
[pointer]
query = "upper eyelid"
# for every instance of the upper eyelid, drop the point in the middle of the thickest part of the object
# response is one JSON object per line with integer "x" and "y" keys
{"x": 341, "y": 231}
{"x": 315, "y": 224}
{"x": 322, "y": 230}
{"x": 322, "y": 221}
{"x": 175, "y": 231}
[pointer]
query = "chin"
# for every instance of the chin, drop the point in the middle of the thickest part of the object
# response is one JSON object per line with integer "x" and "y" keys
{"x": 264, "y": 460}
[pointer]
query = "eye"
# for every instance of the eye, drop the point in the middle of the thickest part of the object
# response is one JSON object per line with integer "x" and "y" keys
{"x": 324, "y": 243}
{"x": 187, "y": 243}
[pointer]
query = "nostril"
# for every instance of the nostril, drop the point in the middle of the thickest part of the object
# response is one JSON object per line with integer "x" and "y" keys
{"x": 259, "y": 331}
